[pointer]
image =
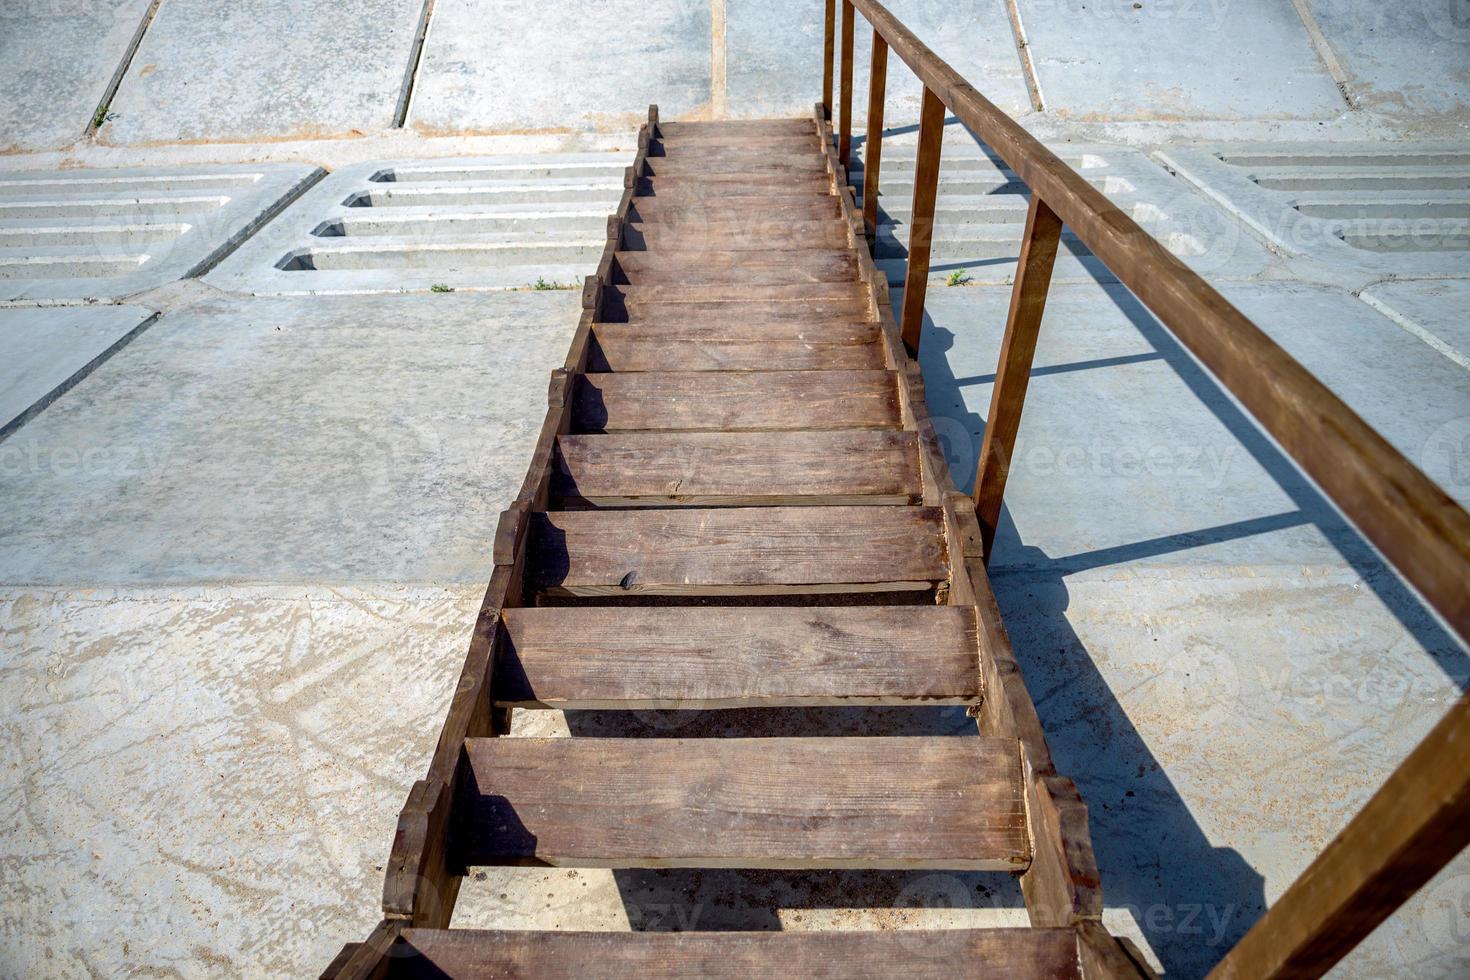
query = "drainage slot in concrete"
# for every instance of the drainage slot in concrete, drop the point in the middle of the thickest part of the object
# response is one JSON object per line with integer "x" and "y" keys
{"x": 537, "y": 224}
{"x": 152, "y": 185}
{"x": 139, "y": 208}
{"x": 89, "y": 235}
{"x": 1388, "y": 158}
{"x": 509, "y": 171}
{"x": 1364, "y": 182}
{"x": 482, "y": 196}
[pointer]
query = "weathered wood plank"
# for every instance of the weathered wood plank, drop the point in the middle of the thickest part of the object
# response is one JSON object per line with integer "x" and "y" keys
{"x": 733, "y": 208}
{"x": 825, "y": 299}
{"x": 737, "y": 468}
{"x": 745, "y": 268}
{"x": 736, "y": 127}
{"x": 914, "y": 954}
{"x": 679, "y": 657}
{"x": 921, "y": 218}
{"x": 914, "y": 802}
{"x": 775, "y": 189}
{"x": 735, "y": 401}
{"x": 706, "y": 344}
{"x": 796, "y": 235}
{"x": 737, "y": 551}
{"x": 726, "y": 166}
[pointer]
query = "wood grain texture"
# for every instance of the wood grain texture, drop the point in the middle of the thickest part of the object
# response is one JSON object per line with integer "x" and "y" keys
{"x": 747, "y": 268}
{"x": 741, "y": 550}
{"x": 1013, "y": 372}
{"x": 710, "y": 345}
{"x": 735, "y": 401}
{"x": 731, "y": 166}
{"x": 911, "y": 953}
{"x": 774, "y": 187}
{"x": 914, "y": 802}
{"x": 825, "y": 299}
{"x": 921, "y": 218}
{"x": 679, "y": 657}
{"x": 873, "y": 146}
{"x": 754, "y": 234}
{"x": 746, "y": 128}
{"x": 737, "y": 468}
{"x": 734, "y": 208}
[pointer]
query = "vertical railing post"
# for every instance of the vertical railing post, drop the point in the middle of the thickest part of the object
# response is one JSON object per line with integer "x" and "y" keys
{"x": 1013, "y": 371}
{"x": 921, "y": 218}
{"x": 828, "y": 40}
{"x": 844, "y": 135}
{"x": 873, "y": 147}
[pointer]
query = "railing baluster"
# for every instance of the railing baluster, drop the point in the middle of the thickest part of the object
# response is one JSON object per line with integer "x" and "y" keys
{"x": 844, "y": 135}
{"x": 827, "y": 48}
{"x": 921, "y": 218}
{"x": 873, "y": 148}
{"x": 1013, "y": 371}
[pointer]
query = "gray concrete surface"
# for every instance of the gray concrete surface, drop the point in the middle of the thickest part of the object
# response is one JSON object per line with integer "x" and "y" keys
{"x": 1432, "y": 310}
{"x": 258, "y": 68}
{"x": 981, "y": 211}
{"x": 774, "y": 57}
{"x": 58, "y": 59}
{"x": 1211, "y": 59}
{"x": 1405, "y": 59}
{"x": 1350, "y": 213}
{"x": 102, "y": 235}
{"x": 43, "y": 353}
{"x": 476, "y": 223}
{"x": 596, "y": 65}
{"x": 406, "y": 420}
{"x": 1226, "y": 669}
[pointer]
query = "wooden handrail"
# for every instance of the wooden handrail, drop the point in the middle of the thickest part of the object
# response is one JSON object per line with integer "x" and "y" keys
{"x": 1420, "y": 819}
{"x": 1424, "y": 534}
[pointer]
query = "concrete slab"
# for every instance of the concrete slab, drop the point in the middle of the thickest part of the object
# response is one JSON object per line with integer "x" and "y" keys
{"x": 1432, "y": 310}
{"x": 774, "y": 57}
{"x": 1225, "y": 667}
{"x": 468, "y": 223}
{"x": 1168, "y": 60}
{"x": 981, "y": 213}
{"x": 101, "y": 235}
{"x": 43, "y": 353}
{"x": 516, "y": 65}
{"x": 1346, "y": 213}
{"x": 59, "y": 60}
{"x": 265, "y": 68}
{"x": 1406, "y": 59}
{"x": 346, "y": 440}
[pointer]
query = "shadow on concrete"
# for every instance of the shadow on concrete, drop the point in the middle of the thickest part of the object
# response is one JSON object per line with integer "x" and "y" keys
{"x": 1191, "y": 900}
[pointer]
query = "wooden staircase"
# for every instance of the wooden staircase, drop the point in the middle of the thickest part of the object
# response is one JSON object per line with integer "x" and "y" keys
{"x": 737, "y": 500}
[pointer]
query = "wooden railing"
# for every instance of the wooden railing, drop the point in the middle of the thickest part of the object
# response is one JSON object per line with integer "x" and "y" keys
{"x": 1420, "y": 819}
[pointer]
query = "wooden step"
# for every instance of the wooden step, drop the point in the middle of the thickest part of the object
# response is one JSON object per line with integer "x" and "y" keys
{"x": 773, "y": 188}
{"x": 733, "y": 208}
{"x": 658, "y": 657}
{"x": 747, "y": 268}
{"x": 721, "y": 164}
{"x": 735, "y": 401}
{"x": 823, "y": 299}
{"x": 736, "y": 551}
{"x": 914, "y": 954}
{"x": 737, "y": 127}
{"x": 950, "y": 802}
{"x": 725, "y": 469}
{"x": 755, "y": 234}
{"x": 708, "y": 344}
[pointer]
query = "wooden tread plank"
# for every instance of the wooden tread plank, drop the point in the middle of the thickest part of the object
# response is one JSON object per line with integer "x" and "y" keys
{"x": 659, "y": 657}
{"x": 734, "y": 208}
{"x": 774, "y": 188}
{"x": 766, "y": 267}
{"x": 821, "y": 233}
{"x": 795, "y": 126}
{"x": 701, "y": 165}
{"x": 713, "y": 345}
{"x": 821, "y": 299}
{"x": 948, "y": 802}
{"x": 737, "y": 468}
{"x": 736, "y": 551}
{"x": 914, "y": 954}
{"x": 735, "y": 401}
